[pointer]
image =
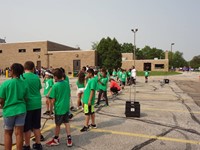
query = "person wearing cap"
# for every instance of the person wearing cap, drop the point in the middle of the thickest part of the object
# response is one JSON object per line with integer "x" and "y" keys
{"x": 48, "y": 83}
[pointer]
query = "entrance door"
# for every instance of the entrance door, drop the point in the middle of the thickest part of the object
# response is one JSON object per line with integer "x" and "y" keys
{"x": 38, "y": 65}
{"x": 147, "y": 66}
{"x": 76, "y": 67}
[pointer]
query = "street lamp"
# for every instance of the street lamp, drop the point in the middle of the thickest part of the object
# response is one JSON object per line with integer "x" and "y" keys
{"x": 134, "y": 31}
{"x": 171, "y": 56}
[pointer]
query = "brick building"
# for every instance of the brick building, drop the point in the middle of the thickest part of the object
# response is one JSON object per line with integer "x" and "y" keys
{"x": 47, "y": 53}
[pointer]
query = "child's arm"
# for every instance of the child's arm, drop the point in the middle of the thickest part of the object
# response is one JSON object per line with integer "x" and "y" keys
{"x": 90, "y": 98}
{"x": 1, "y": 103}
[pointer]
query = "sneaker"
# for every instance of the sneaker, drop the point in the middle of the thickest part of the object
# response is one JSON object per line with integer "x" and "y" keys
{"x": 46, "y": 113}
{"x": 53, "y": 142}
{"x": 69, "y": 142}
{"x": 26, "y": 147}
{"x": 84, "y": 129}
{"x": 71, "y": 116}
{"x": 93, "y": 126}
{"x": 96, "y": 106}
{"x": 41, "y": 138}
{"x": 37, "y": 146}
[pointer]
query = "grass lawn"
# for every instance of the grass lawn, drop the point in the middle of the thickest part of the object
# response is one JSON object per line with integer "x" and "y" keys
{"x": 158, "y": 73}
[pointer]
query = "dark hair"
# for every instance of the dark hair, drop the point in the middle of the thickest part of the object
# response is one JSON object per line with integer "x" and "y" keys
{"x": 17, "y": 69}
{"x": 58, "y": 73}
{"x": 81, "y": 77}
{"x": 90, "y": 70}
{"x": 29, "y": 65}
{"x": 104, "y": 71}
{"x": 84, "y": 68}
{"x": 63, "y": 70}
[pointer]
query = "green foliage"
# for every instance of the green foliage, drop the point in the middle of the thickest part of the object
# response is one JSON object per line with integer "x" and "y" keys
{"x": 195, "y": 62}
{"x": 177, "y": 60}
{"x": 127, "y": 48}
{"x": 109, "y": 53}
{"x": 94, "y": 45}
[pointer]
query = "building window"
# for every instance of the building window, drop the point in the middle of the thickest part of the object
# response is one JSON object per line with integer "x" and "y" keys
{"x": 36, "y": 50}
{"x": 22, "y": 50}
{"x": 159, "y": 66}
{"x": 1, "y": 51}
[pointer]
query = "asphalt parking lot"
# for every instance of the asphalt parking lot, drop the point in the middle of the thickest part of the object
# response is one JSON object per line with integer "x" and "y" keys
{"x": 170, "y": 118}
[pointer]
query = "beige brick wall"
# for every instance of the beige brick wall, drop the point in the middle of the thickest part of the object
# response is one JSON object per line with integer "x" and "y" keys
{"x": 139, "y": 64}
{"x": 65, "y": 59}
{"x": 10, "y": 53}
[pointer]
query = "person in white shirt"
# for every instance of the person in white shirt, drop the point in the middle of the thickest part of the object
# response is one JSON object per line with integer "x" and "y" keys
{"x": 133, "y": 75}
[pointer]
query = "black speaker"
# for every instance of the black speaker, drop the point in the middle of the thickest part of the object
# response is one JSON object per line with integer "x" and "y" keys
{"x": 132, "y": 109}
{"x": 166, "y": 81}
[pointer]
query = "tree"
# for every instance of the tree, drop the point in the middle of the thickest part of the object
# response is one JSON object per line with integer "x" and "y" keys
{"x": 109, "y": 53}
{"x": 94, "y": 45}
{"x": 178, "y": 60}
{"x": 195, "y": 62}
{"x": 127, "y": 48}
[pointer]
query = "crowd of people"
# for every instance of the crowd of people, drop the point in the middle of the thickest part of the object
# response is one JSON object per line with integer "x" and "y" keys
{"x": 22, "y": 94}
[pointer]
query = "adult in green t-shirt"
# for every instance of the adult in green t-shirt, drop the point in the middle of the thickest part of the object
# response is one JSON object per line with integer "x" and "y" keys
{"x": 33, "y": 105}
{"x": 13, "y": 94}
{"x": 88, "y": 100}
{"x": 60, "y": 97}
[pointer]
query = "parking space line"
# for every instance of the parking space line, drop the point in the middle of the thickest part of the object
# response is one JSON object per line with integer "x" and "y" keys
{"x": 143, "y": 136}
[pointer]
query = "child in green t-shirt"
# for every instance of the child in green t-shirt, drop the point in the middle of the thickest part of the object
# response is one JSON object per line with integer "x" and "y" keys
{"x": 80, "y": 83}
{"x": 146, "y": 75}
{"x": 88, "y": 100}
{"x": 33, "y": 106}
{"x": 60, "y": 98}
{"x": 103, "y": 81}
{"x": 123, "y": 78}
{"x": 48, "y": 83}
{"x": 13, "y": 93}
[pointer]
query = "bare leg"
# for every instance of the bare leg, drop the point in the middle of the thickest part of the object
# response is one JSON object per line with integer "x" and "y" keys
{"x": 87, "y": 119}
{"x": 8, "y": 139}
{"x": 27, "y": 136}
{"x": 93, "y": 118}
{"x": 37, "y": 135}
{"x": 67, "y": 127}
{"x": 57, "y": 130}
{"x": 19, "y": 137}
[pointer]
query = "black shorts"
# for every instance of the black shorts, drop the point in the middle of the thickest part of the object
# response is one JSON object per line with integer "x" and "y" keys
{"x": 59, "y": 119}
{"x": 33, "y": 120}
{"x": 146, "y": 77}
{"x": 123, "y": 83}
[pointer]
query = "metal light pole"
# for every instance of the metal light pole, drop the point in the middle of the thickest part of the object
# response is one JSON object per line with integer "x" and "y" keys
{"x": 134, "y": 49}
{"x": 171, "y": 56}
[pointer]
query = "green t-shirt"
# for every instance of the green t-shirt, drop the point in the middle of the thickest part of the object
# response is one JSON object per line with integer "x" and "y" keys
{"x": 91, "y": 85}
{"x": 119, "y": 73}
{"x": 103, "y": 84}
{"x": 48, "y": 83}
{"x": 61, "y": 93}
{"x": 114, "y": 73}
{"x": 123, "y": 77}
{"x": 128, "y": 74}
{"x": 80, "y": 85}
{"x": 146, "y": 73}
{"x": 67, "y": 78}
{"x": 14, "y": 92}
{"x": 34, "y": 85}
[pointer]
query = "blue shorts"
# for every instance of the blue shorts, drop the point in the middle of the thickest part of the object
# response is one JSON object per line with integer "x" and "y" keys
{"x": 11, "y": 122}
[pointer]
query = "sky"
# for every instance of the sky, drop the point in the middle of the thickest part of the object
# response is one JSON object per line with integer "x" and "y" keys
{"x": 79, "y": 23}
